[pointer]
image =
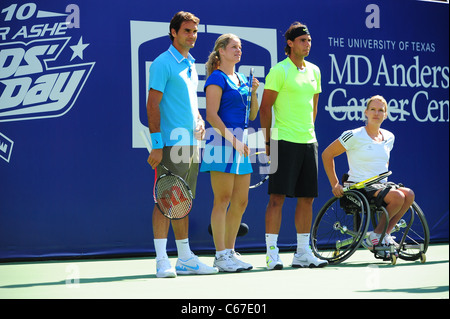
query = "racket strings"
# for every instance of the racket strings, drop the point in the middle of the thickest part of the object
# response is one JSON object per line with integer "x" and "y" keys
{"x": 173, "y": 197}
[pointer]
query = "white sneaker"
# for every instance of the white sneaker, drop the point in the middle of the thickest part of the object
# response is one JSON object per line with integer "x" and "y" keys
{"x": 234, "y": 257}
{"x": 372, "y": 240}
{"x": 307, "y": 260}
{"x": 273, "y": 260}
{"x": 225, "y": 264}
{"x": 389, "y": 241}
{"x": 193, "y": 266}
{"x": 164, "y": 269}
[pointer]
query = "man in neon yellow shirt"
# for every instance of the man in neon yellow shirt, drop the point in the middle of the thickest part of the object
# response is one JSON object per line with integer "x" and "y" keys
{"x": 292, "y": 88}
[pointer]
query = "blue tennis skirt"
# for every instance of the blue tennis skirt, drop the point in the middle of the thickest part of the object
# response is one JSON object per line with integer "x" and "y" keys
{"x": 225, "y": 159}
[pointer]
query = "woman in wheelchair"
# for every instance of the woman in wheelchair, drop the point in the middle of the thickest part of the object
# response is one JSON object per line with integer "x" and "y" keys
{"x": 368, "y": 149}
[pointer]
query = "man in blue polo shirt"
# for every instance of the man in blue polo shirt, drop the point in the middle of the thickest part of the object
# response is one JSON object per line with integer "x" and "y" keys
{"x": 175, "y": 127}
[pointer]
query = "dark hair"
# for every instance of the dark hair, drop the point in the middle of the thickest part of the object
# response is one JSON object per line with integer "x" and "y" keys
{"x": 178, "y": 19}
{"x": 288, "y": 34}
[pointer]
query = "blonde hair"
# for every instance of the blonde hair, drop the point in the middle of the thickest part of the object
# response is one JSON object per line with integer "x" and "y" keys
{"x": 375, "y": 98}
{"x": 213, "y": 62}
{"x": 378, "y": 98}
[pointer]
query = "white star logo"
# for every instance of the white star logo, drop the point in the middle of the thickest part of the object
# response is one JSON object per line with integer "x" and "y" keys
{"x": 78, "y": 49}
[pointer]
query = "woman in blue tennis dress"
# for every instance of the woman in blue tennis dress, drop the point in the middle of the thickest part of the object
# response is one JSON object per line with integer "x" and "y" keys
{"x": 225, "y": 156}
{"x": 222, "y": 154}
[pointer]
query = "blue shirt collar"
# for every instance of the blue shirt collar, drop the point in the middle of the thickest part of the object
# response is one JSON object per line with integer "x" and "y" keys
{"x": 180, "y": 58}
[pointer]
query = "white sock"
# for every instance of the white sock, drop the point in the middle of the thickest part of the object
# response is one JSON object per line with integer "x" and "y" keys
{"x": 302, "y": 243}
{"x": 183, "y": 248}
{"x": 271, "y": 243}
{"x": 160, "y": 248}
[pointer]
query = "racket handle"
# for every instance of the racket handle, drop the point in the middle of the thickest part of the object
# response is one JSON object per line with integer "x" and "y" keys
{"x": 250, "y": 81}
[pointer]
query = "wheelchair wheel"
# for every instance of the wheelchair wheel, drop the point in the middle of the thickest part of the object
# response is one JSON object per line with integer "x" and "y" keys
{"x": 340, "y": 227}
{"x": 412, "y": 234}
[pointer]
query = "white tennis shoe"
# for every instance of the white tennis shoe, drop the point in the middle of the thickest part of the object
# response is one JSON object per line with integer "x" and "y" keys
{"x": 193, "y": 266}
{"x": 234, "y": 256}
{"x": 372, "y": 239}
{"x": 226, "y": 264}
{"x": 307, "y": 260}
{"x": 164, "y": 269}
{"x": 273, "y": 261}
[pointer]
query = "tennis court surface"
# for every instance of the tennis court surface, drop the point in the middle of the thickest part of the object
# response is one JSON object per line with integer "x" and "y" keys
{"x": 360, "y": 277}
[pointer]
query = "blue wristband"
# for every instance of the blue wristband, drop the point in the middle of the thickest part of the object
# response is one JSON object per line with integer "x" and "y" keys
{"x": 157, "y": 142}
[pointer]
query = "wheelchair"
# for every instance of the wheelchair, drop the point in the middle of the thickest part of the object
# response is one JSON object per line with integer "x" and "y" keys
{"x": 341, "y": 226}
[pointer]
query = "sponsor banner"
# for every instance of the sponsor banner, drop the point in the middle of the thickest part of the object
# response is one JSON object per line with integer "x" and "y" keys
{"x": 73, "y": 88}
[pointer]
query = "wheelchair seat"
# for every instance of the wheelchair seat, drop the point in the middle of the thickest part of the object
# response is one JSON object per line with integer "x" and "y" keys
{"x": 375, "y": 202}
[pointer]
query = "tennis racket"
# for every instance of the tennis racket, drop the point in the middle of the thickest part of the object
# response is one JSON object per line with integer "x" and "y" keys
{"x": 247, "y": 113}
{"x": 260, "y": 166}
{"x": 248, "y": 106}
{"x": 172, "y": 195}
{"x": 368, "y": 181}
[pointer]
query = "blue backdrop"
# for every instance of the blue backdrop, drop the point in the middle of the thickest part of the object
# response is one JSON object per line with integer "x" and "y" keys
{"x": 73, "y": 85}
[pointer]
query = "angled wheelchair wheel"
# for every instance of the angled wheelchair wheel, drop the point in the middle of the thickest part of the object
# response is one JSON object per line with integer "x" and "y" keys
{"x": 340, "y": 227}
{"x": 411, "y": 234}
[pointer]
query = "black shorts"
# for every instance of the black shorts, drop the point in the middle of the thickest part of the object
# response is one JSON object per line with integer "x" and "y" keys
{"x": 296, "y": 170}
{"x": 369, "y": 192}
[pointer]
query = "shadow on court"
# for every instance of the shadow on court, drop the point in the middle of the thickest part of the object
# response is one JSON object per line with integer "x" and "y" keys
{"x": 361, "y": 276}
{"x": 420, "y": 290}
